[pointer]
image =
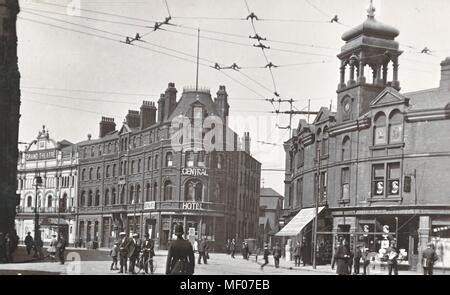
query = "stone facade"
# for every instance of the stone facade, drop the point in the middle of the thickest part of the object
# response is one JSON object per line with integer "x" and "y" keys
{"x": 56, "y": 163}
{"x": 380, "y": 163}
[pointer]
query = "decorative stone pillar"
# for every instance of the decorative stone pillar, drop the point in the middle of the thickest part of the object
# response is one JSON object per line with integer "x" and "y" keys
{"x": 385, "y": 71}
{"x": 352, "y": 75}
{"x": 361, "y": 77}
{"x": 424, "y": 237}
{"x": 378, "y": 79}
{"x": 395, "y": 65}
{"x": 342, "y": 76}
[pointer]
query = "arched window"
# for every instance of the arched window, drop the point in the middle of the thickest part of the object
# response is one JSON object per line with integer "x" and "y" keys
{"x": 156, "y": 162}
{"x": 83, "y": 199}
{"x": 122, "y": 195}
{"x": 125, "y": 168}
{"x": 91, "y": 172}
{"x": 169, "y": 159}
{"x": 109, "y": 148}
{"x": 99, "y": 176}
{"x": 131, "y": 196}
{"x": 395, "y": 127}
{"x": 107, "y": 198}
{"x": 168, "y": 190}
{"x": 100, "y": 148}
{"x": 90, "y": 199}
{"x": 189, "y": 161}
{"x": 83, "y": 174}
{"x": 114, "y": 170}
{"x": 132, "y": 167}
{"x": 149, "y": 163}
{"x": 63, "y": 203}
{"x": 345, "y": 149}
{"x": 139, "y": 165}
{"x": 318, "y": 143}
{"x": 219, "y": 161}
{"x": 97, "y": 198}
{"x": 379, "y": 129}
{"x": 29, "y": 201}
{"x": 325, "y": 141}
{"x": 126, "y": 144}
{"x": 122, "y": 144}
{"x": 155, "y": 191}
{"x": 217, "y": 192}
{"x": 201, "y": 159}
{"x": 148, "y": 192}
{"x": 108, "y": 171}
{"x": 138, "y": 194}
{"x": 92, "y": 151}
{"x": 193, "y": 191}
{"x": 114, "y": 196}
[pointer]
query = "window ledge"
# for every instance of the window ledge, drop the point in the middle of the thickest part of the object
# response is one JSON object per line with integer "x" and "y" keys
{"x": 384, "y": 199}
{"x": 387, "y": 146}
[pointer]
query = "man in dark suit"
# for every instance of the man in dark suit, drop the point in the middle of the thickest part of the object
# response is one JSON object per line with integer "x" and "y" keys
{"x": 61, "y": 248}
{"x": 202, "y": 251}
{"x": 29, "y": 243}
{"x": 135, "y": 249}
{"x": 124, "y": 251}
{"x": 429, "y": 257}
{"x": 148, "y": 252}
{"x": 391, "y": 256}
{"x": 180, "y": 257}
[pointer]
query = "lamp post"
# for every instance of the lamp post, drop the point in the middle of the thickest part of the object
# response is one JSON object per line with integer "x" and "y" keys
{"x": 37, "y": 233}
{"x": 316, "y": 211}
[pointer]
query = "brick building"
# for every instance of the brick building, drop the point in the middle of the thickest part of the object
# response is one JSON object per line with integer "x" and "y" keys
{"x": 139, "y": 179}
{"x": 270, "y": 210}
{"x": 378, "y": 167}
{"x": 56, "y": 163}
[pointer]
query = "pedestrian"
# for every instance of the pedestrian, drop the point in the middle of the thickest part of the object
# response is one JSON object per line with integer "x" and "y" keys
{"x": 38, "y": 246}
{"x": 227, "y": 246}
{"x": 114, "y": 253}
{"x": 297, "y": 253}
{"x": 350, "y": 261}
{"x": 429, "y": 258}
{"x": 180, "y": 257}
{"x": 195, "y": 246}
{"x": 233, "y": 248}
{"x": 305, "y": 253}
{"x": 247, "y": 250}
{"x": 277, "y": 254}
{"x": 357, "y": 260}
{"x": 342, "y": 257}
{"x": 366, "y": 261}
{"x": 265, "y": 256}
{"x": 29, "y": 243}
{"x": 52, "y": 248}
{"x": 202, "y": 251}
{"x": 135, "y": 250}
{"x": 61, "y": 248}
{"x": 8, "y": 248}
{"x": 148, "y": 252}
{"x": 244, "y": 255}
{"x": 391, "y": 256}
{"x": 124, "y": 251}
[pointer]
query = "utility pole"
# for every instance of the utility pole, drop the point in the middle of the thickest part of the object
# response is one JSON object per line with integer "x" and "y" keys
{"x": 198, "y": 57}
{"x": 37, "y": 233}
{"x": 316, "y": 211}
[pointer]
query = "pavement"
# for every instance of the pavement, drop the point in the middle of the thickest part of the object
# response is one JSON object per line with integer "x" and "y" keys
{"x": 97, "y": 262}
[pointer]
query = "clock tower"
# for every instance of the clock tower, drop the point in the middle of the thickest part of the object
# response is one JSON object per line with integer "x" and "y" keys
{"x": 369, "y": 64}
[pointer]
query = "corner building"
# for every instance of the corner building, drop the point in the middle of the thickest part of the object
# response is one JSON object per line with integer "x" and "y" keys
{"x": 137, "y": 180}
{"x": 378, "y": 167}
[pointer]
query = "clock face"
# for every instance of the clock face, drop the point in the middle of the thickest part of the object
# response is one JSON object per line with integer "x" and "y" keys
{"x": 347, "y": 106}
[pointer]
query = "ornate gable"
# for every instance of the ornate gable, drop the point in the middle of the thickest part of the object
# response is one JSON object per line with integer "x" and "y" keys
{"x": 387, "y": 97}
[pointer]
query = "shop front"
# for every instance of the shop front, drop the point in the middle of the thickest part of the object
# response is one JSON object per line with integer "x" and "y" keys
{"x": 440, "y": 237}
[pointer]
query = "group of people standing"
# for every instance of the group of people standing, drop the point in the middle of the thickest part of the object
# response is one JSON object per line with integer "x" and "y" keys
{"x": 230, "y": 247}
{"x": 7, "y": 246}
{"x": 131, "y": 251}
{"x": 347, "y": 260}
{"x": 56, "y": 249}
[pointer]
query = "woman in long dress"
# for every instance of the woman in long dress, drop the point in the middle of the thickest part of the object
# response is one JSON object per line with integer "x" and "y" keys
{"x": 342, "y": 257}
{"x": 52, "y": 248}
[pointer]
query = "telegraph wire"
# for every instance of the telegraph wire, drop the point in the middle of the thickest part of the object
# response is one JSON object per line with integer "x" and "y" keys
{"x": 78, "y": 98}
{"x": 90, "y": 91}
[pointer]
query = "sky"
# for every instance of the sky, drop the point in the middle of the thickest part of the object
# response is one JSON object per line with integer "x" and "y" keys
{"x": 74, "y": 68}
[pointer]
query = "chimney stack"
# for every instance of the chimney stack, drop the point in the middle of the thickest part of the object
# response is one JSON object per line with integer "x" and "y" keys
{"x": 247, "y": 142}
{"x": 161, "y": 108}
{"x": 107, "y": 125}
{"x": 170, "y": 100}
{"x": 221, "y": 102}
{"x": 445, "y": 74}
{"x": 133, "y": 119}
{"x": 148, "y": 114}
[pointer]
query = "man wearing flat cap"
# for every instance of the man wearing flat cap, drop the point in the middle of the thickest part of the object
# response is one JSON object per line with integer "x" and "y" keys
{"x": 180, "y": 258}
{"x": 429, "y": 258}
{"x": 135, "y": 249}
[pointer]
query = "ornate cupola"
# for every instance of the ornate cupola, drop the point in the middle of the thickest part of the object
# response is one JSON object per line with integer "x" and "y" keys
{"x": 369, "y": 46}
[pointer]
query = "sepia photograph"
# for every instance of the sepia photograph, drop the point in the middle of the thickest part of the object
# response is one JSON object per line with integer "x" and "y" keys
{"x": 152, "y": 138}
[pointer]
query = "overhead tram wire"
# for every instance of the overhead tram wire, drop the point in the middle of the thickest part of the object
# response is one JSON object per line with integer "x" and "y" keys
{"x": 142, "y": 47}
{"x": 89, "y": 91}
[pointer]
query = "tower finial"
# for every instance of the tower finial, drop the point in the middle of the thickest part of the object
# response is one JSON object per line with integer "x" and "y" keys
{"x": 371, "y": 10}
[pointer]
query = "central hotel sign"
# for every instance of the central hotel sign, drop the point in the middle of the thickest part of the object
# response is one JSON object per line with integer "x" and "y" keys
{"x": 194, "y": 172}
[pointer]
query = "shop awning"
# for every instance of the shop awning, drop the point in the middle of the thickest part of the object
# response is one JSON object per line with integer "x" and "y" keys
{"x": 295, "y": 226}
{"x": 53, "y": 221}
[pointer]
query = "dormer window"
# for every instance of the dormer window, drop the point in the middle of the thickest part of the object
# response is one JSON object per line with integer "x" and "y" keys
{"x": 395, "y": 127}
{"x": 198, "y": 113}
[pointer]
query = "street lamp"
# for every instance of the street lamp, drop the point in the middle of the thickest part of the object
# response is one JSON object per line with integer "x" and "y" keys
{"x": 37, "y": 233}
